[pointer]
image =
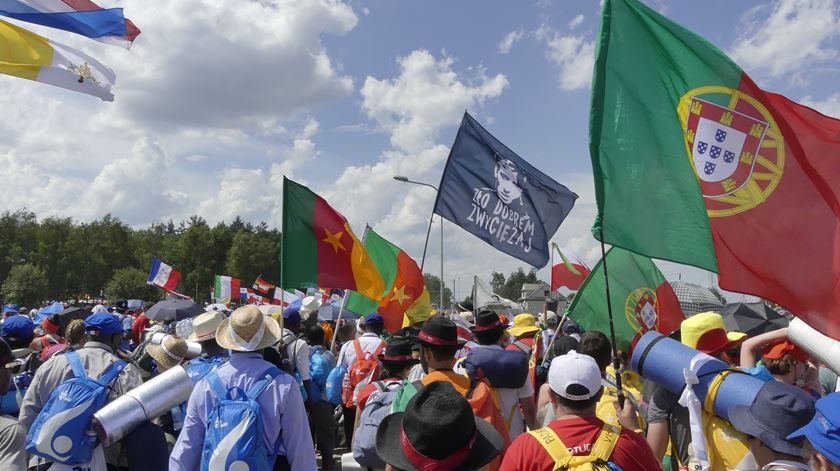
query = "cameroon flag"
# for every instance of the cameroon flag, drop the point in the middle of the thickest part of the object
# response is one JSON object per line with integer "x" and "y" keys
{"x": 696, "y": 164}
{"x": 405, "y": 300}
{"x": 642, "y": 300}
{"x": 320, "y": 249}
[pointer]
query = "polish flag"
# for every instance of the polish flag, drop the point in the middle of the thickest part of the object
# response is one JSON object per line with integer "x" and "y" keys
{"x": 570, "y": 272}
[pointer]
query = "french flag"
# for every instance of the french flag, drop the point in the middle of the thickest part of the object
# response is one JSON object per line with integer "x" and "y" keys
{"x": 76, "y": 16}
{"x": 163, "y": 276}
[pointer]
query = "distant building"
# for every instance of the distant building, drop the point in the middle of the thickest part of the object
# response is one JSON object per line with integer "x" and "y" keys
{"x": 533, "y": 298}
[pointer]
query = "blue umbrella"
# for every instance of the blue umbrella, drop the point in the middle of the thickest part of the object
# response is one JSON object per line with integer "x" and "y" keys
{"x": 45, "y": 312}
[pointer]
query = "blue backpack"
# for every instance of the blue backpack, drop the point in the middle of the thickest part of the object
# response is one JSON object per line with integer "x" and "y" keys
{"x": 234, "y": 437}
{"x": 335, "y": 384}
{"x": 319, "y": 371}
{"x": 197, "y": 369}
{"x": 61, "y": 430}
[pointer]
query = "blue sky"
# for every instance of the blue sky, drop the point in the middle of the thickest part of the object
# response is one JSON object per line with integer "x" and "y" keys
{"x": 217, "y": 101}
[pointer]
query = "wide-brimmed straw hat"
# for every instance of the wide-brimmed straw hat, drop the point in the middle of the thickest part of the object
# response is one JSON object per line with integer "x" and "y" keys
{"x": 204, "y": 326}
{"x": 248, "y": 330}
{"x": 437, "y": 431}
{"x": 169, "y": 353}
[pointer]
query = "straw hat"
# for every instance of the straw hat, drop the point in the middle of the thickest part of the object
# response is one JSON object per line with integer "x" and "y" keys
{"x": 248, "y": 330}
{"x": 204, "y": 326}
{"x": 169, "y": 353}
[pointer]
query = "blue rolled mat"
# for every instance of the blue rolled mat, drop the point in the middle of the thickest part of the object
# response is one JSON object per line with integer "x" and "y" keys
{"x": 662, "y": 360}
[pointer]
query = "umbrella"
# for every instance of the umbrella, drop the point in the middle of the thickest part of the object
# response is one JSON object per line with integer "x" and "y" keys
{"x": 173, "y": 310}
{"x": 752, "y": 318}
{"x": 69, "y": 314}
{"x": 45, "y": 312}
{"x": 695, "y": 299}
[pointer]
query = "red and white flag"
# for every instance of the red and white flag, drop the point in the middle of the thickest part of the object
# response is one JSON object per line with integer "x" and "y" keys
{"x": 284, "y": 297}
{"x": 262, "y": 286}
{"x": 570, "y": 272}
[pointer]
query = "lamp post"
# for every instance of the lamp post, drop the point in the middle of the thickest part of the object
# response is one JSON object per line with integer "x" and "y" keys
{"x": 403, "y": 179}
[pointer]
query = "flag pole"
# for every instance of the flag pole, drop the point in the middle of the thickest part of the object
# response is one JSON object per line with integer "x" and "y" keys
{"x": 616, "y": 366}
{"x": 426, "y": 244}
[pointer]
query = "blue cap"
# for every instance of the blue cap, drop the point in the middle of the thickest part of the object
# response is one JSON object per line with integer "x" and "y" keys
{"x": 103, "y": 323}
{"x": 10, "y": 308}
{"x": 374, "y": 319}
{"x": 823, "y": 431}
{"x": 18, "y": 328}
{"x": 291, "y": 315}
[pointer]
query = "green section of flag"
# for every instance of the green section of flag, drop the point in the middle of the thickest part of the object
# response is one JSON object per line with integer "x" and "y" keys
{"x": 299, "y": 251}
{"x": 384, "y": 255}
{"x": 631, "y": 276}
{"x": 649, "y": 200}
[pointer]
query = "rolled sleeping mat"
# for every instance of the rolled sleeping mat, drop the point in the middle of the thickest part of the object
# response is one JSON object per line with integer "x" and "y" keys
{"x": 662, "y": 360}
{"x": 148, "y": 401}
{"x": 821, "y": 347}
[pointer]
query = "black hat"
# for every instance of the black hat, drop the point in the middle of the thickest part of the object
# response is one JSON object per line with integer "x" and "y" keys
{"x": 398, "y": 352}
{"x": 438, "y": 428}
{"x": 563, "y": 345}
{"x": 486, "y": 321}
{"x": 439, "y": 332}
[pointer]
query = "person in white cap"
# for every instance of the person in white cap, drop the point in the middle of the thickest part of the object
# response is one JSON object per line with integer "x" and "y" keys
{"x": 577, "y": 435}
{"x": 285, "y": 427}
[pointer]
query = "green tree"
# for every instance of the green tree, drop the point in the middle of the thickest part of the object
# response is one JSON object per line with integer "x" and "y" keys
{"x": 252, "y": 255}
{"x": 510, "y": 287}
{"x": 130, "y": 283}
{"x": 433, "y": 286}
{"x": 25, "y": 285}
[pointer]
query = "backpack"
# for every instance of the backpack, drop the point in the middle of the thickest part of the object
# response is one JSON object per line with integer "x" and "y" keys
{"x": 234, "y": 436}
{"x": 365, "y": 368}
{"x": 335, "y": 385}
{"x": 48, "y": 347}
{"x": 61, "y": 430}
{"x": 502, "y": 368}
{"x": 319, "y": 369}
{"x": 287, "y": 364}
{"x": 197, "y": 369}
{"x": 598, "y": 458}
{"x": 376, "y": 409}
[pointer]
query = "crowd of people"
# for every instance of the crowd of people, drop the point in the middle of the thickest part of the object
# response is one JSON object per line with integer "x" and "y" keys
{"x": 466, "y": 391}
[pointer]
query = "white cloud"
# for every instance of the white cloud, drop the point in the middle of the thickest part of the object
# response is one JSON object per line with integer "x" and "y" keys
{"x": 573, "y": 54}
{"x": 508, "y": 41}
{"x": 787, "y": 36}
{"x": 425, "y": 96}
{"x": 829, "y": 107}
{"x": 208, "y": 64}
{"x": 576, "y": 21}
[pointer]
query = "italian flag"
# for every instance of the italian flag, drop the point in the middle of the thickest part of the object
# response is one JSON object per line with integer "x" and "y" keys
{"x": 570, "y": 272}
{"x": 320, "y": 249}
{"x": 696, "y": 164}
{"x": 226, "y": 288}
{"x": 404, "y": 300}
{"x": 642, "y": 300}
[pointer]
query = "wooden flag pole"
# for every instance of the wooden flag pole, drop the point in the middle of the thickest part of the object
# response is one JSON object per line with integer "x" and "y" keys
{"x": 616, "y": 365}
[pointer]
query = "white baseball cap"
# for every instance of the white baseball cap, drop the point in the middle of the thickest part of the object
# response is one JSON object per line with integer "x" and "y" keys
{"x": 574, "y": 376}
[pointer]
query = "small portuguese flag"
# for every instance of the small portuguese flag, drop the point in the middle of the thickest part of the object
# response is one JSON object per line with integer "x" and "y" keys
{"x": 642, "y": 300}
{"x": 696, "y": 164}
{"x": 319, "y": 249}
{"x": 405, "y": 300}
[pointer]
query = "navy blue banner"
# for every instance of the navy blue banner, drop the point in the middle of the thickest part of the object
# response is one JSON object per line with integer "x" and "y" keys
{"x": 495, "y": 195}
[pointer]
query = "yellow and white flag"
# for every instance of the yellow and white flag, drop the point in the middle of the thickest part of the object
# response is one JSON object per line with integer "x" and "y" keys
{"x": 26, "y": 55}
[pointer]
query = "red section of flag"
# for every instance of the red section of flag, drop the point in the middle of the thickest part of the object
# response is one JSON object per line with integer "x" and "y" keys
{"x": 784, "y": 246}
{"x": 334, "y": 245}
{"x": 570, "y": 272}
{"x": 408, "y": 286}
{"x": 172, "y": 282}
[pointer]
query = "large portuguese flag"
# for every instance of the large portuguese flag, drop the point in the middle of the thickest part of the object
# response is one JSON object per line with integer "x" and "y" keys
{"x": 405, "y": 299}
{"x": 642, "y": 300}
{"x": 319, "y": 249}
{"x": 694, "y": 163}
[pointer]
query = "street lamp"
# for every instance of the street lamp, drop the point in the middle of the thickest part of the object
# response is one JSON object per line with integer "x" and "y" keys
{"x": 403, "y": 179}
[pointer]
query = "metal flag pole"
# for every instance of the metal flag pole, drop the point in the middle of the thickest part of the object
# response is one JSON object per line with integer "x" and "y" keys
{"x": 616, "y": 365}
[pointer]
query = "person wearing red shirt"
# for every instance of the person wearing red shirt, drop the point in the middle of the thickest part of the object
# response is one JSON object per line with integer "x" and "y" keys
{"x": 575, "y": 382}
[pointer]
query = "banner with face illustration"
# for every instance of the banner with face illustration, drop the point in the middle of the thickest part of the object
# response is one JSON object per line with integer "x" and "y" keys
{"x": 497, "y": 196}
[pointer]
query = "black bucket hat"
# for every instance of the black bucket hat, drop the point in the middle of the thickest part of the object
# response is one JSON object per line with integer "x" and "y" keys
{"x": 487, "y": 321}
{"x": 441, "y": 333}
{"x": 398, "y": 352}
{"x": 437, "y": 431}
